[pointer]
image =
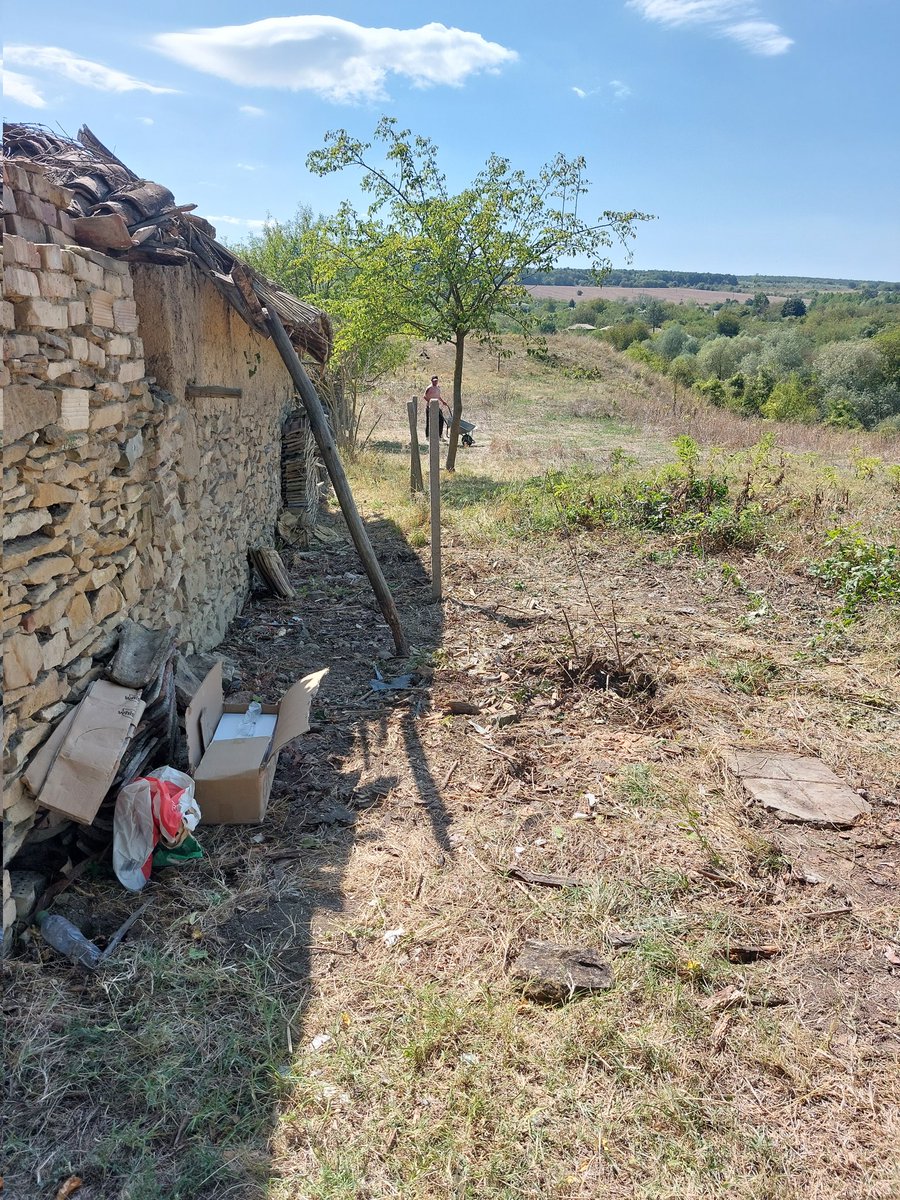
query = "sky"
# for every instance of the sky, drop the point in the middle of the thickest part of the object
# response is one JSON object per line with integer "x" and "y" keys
{"x": 762, "y": 134}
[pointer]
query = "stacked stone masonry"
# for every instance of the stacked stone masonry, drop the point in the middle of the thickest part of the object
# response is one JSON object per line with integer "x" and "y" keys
{"x": 122, "y": 496}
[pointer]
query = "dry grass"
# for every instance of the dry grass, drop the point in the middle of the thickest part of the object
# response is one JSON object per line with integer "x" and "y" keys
{"x": 325, "y": 1012}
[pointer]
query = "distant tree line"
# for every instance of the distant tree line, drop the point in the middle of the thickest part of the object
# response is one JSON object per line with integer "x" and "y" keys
{"x": 580, "y": 277}
{"x": 706, "y": 280}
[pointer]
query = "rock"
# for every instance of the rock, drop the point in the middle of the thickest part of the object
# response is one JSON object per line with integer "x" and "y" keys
{"x": 27, "y": 888}
{"x": 796, "y": 788}
{"x": 22, "y": 660}
{"x": 553, "y": 974}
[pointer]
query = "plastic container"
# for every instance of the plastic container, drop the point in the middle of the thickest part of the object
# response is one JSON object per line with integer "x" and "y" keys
{"x": 68, "y": 939}
{"x": 247, "y": 727}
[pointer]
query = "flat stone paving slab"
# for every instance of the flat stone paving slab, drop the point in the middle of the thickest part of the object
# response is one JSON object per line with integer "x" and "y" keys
{"x": 796, "y": 788}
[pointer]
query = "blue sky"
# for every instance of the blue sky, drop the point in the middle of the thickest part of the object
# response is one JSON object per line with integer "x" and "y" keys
{"x": 762, "y": 133}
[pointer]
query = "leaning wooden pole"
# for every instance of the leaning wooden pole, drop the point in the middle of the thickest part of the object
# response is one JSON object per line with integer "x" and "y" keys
{"x": 415, "y": 461}
{"x": 434, "y": 489}
{"x": 321, "y": 431}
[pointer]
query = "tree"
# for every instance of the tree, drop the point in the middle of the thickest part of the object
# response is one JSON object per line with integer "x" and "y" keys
{"x": 728, "y": 326}
{"x": 654, "y": 313}
{"x": 793, "y": 307}
{"x": 671, "y": 342}
{"x": 300, "y": 255}
{"x": 443, "y": 265}
{"x": 758, "y": 304}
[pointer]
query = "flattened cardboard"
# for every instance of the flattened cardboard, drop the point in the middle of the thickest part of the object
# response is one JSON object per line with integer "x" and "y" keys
{"x": 91, "y": 749}
{"x": 42, "y": 762}
{"x": 202, "y": 715}
{"x": 293, "y": 711}
{"x": 233, "y": 778}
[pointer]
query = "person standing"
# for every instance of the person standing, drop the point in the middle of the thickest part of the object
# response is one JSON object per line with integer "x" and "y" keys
{"x": 434, "y": 393}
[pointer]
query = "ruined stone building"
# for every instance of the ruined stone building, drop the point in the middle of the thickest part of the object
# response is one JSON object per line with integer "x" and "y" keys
{"x": 143, "y": 413}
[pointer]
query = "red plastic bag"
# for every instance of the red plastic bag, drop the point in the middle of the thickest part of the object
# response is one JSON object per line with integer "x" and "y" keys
{"x": 160, "y": 807}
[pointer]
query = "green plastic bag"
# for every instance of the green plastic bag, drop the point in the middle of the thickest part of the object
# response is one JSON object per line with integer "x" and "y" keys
{"x": 174, "y": 856}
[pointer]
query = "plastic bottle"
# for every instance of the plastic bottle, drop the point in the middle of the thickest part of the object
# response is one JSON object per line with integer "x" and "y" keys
{"x": 247, "y": 726}
{"x": 68, "y": 939}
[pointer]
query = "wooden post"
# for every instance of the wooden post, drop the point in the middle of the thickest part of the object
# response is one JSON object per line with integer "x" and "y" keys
{"x": 321, "y": 431}
{"x": 415, "y": 462}
{"x": 434, "y": 487}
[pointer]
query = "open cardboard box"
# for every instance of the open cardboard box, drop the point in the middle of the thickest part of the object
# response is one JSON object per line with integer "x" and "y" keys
{"x": 233, "y": 779}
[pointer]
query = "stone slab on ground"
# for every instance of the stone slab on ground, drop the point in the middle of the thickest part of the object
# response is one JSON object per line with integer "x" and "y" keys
{"x": 797, "y": 788}
{"x": 553, "y": 974}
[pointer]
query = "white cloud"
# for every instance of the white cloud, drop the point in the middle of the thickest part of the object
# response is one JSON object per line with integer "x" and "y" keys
{"x": 249, "y": 222}
{"x": 735, "y": 19}
{"x": 687, "y": 12}
{"x": 146, "y": 120}
{"x": 78, "y": 70}
{"x": 246, "y": 167}
{"x": 22, "y": 89}
{"x": 336, "y": 59}
{"x": 250, "y": 110}
{"x": 760, "y": 37}
{"x": 620, "y": 90}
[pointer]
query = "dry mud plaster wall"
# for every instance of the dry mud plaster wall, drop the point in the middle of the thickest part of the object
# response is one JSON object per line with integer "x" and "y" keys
{"x": 229, "y": 457}
{"x": 120, "y": 499}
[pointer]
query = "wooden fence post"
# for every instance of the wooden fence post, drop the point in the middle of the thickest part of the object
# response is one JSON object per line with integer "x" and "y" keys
{"x": 321, "y": 431}
{"x": 415, "y": 462}
{"x": 434, "y": 486}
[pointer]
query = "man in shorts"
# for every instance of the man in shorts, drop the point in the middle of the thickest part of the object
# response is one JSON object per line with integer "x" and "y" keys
{"x": 434, "y": 393}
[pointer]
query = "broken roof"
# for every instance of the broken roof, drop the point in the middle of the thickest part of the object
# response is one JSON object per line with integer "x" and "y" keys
{"x": 161, "y": 231}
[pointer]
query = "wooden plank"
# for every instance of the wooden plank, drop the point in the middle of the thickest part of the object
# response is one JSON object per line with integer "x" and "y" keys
{"x": 415, "y": 464}
{"x": 434, "y": 486}
{"x": 196, "y": 391}
{"x": 271, "y": 568}
{"x": 321, "y": 431}
{"x": 140, "y": 655}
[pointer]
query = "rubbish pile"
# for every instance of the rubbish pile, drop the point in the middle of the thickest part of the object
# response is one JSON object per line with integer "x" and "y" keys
{"x": 101, "y": 768}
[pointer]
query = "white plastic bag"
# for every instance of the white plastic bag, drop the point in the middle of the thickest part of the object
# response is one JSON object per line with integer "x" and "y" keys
{"x": 160, "y": 807}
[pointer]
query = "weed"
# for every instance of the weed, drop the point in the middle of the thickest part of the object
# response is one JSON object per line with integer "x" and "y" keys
{"x": 638, "y": 785}
{"x": 752, "y": 676}
{"x": 863, "y": 571}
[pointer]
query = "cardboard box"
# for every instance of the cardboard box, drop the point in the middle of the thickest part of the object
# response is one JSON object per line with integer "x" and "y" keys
{"x": 76, "y": 766}
{"x": 233, "y": 778}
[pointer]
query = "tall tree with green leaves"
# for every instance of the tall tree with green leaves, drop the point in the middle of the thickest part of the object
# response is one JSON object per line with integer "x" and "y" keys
{"x": 442, "y": 265}
{"x": 301, "y": 255}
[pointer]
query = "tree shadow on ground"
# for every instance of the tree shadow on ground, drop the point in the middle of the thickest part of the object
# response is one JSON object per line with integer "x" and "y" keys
{"x": 168, "y": 1071}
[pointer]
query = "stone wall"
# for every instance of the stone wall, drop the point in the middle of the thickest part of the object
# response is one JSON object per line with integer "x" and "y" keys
{"x": 121, "y": 496}
{"x": 229, "y": 469}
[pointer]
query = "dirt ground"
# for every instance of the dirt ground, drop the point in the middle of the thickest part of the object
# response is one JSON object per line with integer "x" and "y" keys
{"x": 324, "y": 1008}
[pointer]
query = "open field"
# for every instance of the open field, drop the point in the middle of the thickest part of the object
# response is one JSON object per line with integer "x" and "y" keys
{"x": 671, "y": 295}
{"x": 322, "y": 1009}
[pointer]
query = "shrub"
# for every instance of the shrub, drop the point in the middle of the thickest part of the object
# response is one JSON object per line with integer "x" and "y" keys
{"x": 622, "y": 335}
{"x": 790, "y": 400}
{"x": 863, "y": 571}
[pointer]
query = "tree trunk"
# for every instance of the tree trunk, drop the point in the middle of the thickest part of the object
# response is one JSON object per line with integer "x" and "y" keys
{"x": 457, "y": 401}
